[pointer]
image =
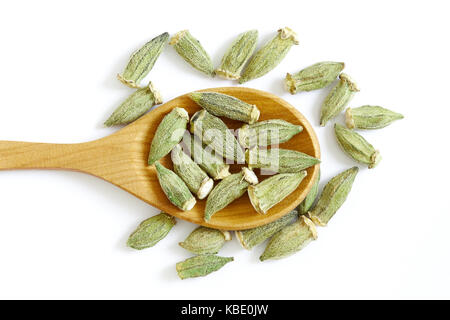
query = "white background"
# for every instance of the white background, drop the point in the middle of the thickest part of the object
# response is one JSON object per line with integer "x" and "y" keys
{"x": 63, "y": 234}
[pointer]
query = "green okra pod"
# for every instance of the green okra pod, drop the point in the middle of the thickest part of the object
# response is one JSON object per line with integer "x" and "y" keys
{"x": 273, "y": 190}
{"x": 314, "y": 77}
{"x": 136, "y": 105}
{"x": 228, "y": 190}
{"x": 205, "y": 240}
{"x": 201, "y": 265}
{"x": 279, "y": 160}
{"x": 207, "y": 159}
{"x": 290, "y": 239}
{"x": 195, "y": 178}
{"x": 191, "y": 50}
{"x": 354, "y": 145}
{"x": 252, "y": 237}
{"x": 237, "y": 55}
{"x": 338, "y": 98}
{"x": 269, "y": 56}
{"x": 223, "y": 105}
{"x": 267, "y": 132}
{"x": 142, "y": 61}
{"x": 333, "y": 196}
{"x": 174, "y": 188}
{"x": 151, "y": 231}
{"x": 168, "y": 134}
{"x": 370, "y": 117}
{"x": 214, "y": 133}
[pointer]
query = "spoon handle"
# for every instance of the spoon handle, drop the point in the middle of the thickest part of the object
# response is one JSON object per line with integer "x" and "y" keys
{"x": 29, "y": 155}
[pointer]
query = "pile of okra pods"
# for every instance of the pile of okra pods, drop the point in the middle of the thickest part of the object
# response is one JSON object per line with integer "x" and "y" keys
{"x": 201, "y": 159}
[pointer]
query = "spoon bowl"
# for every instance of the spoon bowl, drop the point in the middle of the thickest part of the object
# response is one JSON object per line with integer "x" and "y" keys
{"x": 121, "y": 159}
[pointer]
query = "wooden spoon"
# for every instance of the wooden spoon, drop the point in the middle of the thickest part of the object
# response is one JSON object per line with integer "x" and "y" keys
{"x": 121, "y": 159}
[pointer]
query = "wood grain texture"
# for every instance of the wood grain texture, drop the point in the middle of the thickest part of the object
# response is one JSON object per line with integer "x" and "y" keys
{"x": 121, "y": 159}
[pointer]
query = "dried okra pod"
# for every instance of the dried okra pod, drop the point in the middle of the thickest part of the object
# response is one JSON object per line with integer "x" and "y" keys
{"x": 237, "y": 55}
{"x": 142, "y": 61}
{"x": 253, "y": 237}
{"x": 207, "y": 159}
{"x": 200, "y": 266}
{"x": 310, "y": 197}
{"x": 290, "y": 239}
{"x": 169, "y": 133}
{"x": 333, "y": 196}
{"x": 135, "y": 106}
{"x": 268, "y": 132}
{"x": 174, "y": 188}
{"x": 279, "y": 160}
{"x": 223, "y": 105}
{"x": 228, "y": 190}
{"x": 314, "y": 77}
{"x": 269, "y": 56}
{"x": 205, "y": 240}
{"x": 192, "y": 52}
{"x": 338, "y": 98}
{"x": 190, "y": 172}
{"x": 273, "y": 190}
{"x": 214, "y": 133}
{"x": 356, "y": 146}
{"x": 370, "y": 117}
{"x": 151, "y": 231}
